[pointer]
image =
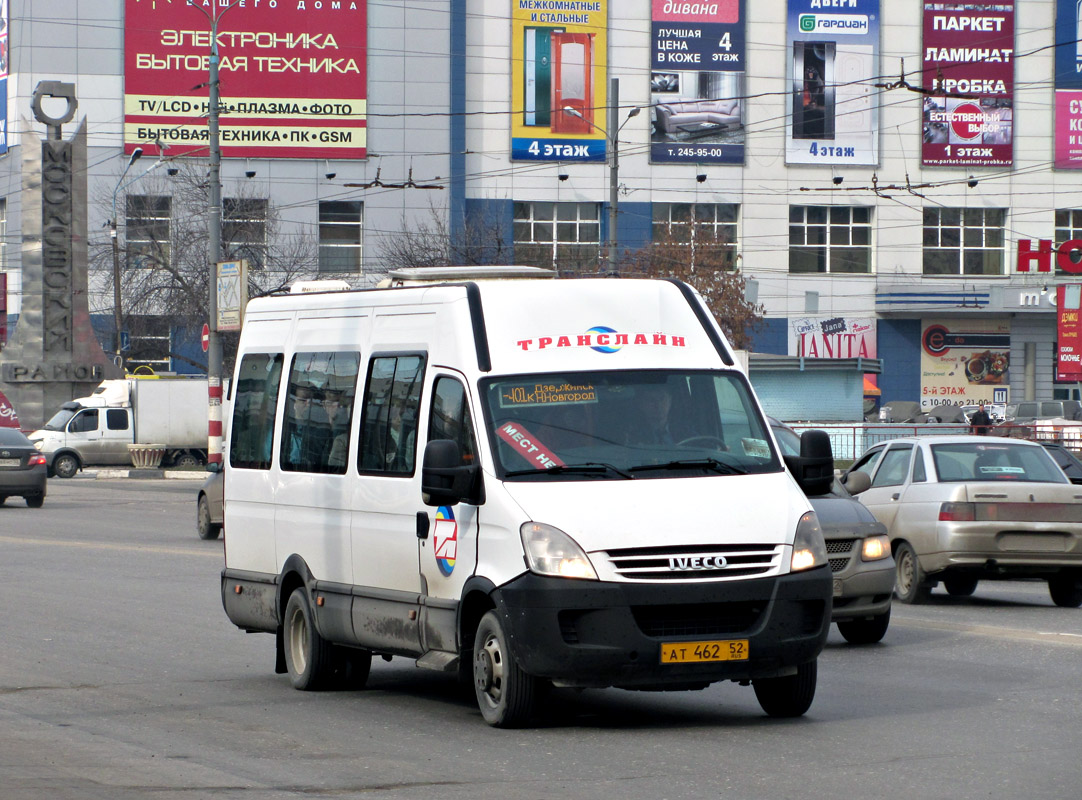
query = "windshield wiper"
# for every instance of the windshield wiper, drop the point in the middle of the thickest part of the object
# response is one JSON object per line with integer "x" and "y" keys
{"x": 709, "y": 464}
{"x": 585, "y": 468}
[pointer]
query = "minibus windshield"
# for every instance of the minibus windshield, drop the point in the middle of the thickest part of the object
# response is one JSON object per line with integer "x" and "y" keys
{"x": 59, "y": 419}
{"x": 626, "y": 425}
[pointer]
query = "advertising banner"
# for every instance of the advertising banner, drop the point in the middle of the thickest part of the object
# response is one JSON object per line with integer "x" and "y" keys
{"x": 963, "y": 361}
{"x": 292, "y": 78}
{"x": 836, "y": 337}
{"x": 832, "y": 66}
{"x": 5, "y": 52}
{"x": 697, "y": 94}
{"x": 559, "y": 91}
{"x": 968, "y": 73}
{"x": 1068, "y": 61}
{"x": 1069, "y": 333}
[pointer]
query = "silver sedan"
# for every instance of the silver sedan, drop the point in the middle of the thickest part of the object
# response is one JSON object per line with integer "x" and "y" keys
{"x": 960, "y": 509}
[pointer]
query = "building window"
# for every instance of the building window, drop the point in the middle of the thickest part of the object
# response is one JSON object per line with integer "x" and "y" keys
{"x": 700, "y": 225}
{"x": 1068, "y": 227}
{"x": 244, "y": 230}
{"x": 147, "y": 230}
{"x": 565, "y": 236}
{"x": 964, "y": 241}
{"x": 836, "y": 239}
{"x": 340, "y": 236}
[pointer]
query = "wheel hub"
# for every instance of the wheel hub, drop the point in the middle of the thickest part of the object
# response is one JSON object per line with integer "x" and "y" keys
{"x": 482, "y": 671}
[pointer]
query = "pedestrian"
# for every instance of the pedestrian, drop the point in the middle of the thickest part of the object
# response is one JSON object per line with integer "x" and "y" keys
{"x": 980, "y": 421}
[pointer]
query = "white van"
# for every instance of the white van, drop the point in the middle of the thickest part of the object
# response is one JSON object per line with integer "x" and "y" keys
{"x": 527, "y": 482}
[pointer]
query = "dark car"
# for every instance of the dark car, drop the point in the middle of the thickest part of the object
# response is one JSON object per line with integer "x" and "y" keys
{"x": 22, "y": 468}
{"x": 210, "y": 506}
{"x": 859, "y": 554}
{"x": 1066, "y": 460}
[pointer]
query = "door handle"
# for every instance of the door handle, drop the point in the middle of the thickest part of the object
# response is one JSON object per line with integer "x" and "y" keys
{"x": 422, "y": 524}
{"x": 895, "y": 496}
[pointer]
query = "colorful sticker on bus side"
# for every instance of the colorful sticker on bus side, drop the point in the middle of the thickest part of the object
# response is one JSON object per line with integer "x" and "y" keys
{"x": 445, "y": 540}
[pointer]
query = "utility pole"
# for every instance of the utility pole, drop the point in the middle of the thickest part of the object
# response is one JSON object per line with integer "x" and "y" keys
{"x": 613, "y": 125}
{"x": 214, "y": 236}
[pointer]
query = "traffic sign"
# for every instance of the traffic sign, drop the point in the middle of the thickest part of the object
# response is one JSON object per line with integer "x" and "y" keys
{"x": 206, "y": 337}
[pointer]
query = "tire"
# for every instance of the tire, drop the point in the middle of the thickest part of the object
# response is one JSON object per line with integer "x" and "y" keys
{"x": 790, "y": 696}
{"x": 865, "y": 631}
{"x": 911, "y": 584}
{"x": 505, "y": 694}
{"x": 187, "y": 461}
{"x": 309, "y": 658}
{"x": 206, "y": 528}
{"x": 66, "y": 466}
{"x": 960, "y": 585}
{"x": 1066, "y": 590}
{"x": 35, "y": 500}
{"x": 351, "y": 667}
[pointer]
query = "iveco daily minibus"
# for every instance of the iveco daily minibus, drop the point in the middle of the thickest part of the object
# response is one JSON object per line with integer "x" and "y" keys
{"x": 525, "y": 482}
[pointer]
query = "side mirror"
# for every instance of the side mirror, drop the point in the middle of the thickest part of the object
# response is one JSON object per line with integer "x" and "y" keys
{"x": 445, "y": 479}
{"x": 813, "y": 469}
{"x": 856, "y": 482}
{"x": 214, "y": 466}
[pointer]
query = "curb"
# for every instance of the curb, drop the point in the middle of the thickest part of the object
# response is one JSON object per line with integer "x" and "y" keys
{"x": 107, "y": 474}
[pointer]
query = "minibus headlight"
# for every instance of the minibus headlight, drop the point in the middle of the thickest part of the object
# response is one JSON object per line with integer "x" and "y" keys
{"x": 550, "y": 551}
{"x": 809, "y": 549}
{"x": 875, "y": 548}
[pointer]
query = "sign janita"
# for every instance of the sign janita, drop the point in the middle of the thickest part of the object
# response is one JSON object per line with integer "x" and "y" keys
{"x": 836, "y": 337}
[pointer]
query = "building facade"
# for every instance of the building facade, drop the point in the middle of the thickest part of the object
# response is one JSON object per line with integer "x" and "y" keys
{"x": 883, "y": 174}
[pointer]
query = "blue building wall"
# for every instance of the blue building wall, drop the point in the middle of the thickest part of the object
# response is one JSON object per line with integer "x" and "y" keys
{"x": 820, "y": 395}
{"x": 898, "y": 343}
{"x": 771, "y": 337}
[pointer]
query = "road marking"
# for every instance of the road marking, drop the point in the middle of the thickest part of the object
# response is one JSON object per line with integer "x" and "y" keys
{"x": 1055, "y": 637}
{"x": 125, "y": 548}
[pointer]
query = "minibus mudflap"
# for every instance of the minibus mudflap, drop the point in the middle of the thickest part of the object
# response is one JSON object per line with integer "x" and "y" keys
{"x": 591, "y": 633}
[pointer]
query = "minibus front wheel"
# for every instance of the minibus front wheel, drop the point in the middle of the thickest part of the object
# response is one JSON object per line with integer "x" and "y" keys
{"x": 505, "y": 694}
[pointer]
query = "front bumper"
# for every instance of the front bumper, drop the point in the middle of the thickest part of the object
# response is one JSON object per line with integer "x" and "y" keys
{"x": 590, "y": 633}
{"x": 864, "y": 593}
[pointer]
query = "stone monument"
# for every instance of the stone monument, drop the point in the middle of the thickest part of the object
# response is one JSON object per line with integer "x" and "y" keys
{"x": 53, "y": 355}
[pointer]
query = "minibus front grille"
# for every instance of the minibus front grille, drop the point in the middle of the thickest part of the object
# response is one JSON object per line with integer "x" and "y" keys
{"x": 699, "y": 619}
{"x": 694, "y": 562}
{"x": 839, "y": 552}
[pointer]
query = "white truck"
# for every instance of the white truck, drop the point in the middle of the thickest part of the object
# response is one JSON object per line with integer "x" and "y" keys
{"x": 96, "y": 430}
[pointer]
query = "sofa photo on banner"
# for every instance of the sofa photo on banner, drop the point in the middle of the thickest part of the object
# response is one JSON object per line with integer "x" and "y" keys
{"x": 684, "y": 117}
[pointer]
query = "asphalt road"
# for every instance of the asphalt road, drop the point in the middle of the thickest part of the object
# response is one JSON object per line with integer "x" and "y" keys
{"x": 121, "y": 678}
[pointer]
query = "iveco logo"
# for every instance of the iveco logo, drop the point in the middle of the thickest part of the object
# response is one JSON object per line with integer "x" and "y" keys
{"x": 698, "y": 562}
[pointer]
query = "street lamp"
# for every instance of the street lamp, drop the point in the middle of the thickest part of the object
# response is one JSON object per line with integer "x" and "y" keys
{"x": 613, "y": 144}
{"x": 120, "y": 184}
{"x": 136, "y": 153}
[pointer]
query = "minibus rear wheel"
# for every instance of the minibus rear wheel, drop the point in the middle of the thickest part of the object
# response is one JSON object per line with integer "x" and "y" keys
{"x": 505, "y": 694}
{"x": 309, "y": 658}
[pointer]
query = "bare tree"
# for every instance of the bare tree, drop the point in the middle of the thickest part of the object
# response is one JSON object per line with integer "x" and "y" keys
{"x": 430, "y": 242}
{"x": 691, "y": 253}
{"x": 164, "y": 250}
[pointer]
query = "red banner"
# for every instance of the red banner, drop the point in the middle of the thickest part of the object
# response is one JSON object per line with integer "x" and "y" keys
{"x": 8, "y": 417}
{"x": 968, "y": 76}
{"x": 1069, "y": 333}
{"x": 292, "y": 77}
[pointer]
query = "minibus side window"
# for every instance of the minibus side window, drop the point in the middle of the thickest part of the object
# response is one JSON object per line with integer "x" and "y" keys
{"x": 450, "y": 417}
{"x": 392, "y": 401}
{"x": 315, "y": 427}
{"x": 116, "y": 419}
{"x": 254, "y": 408}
